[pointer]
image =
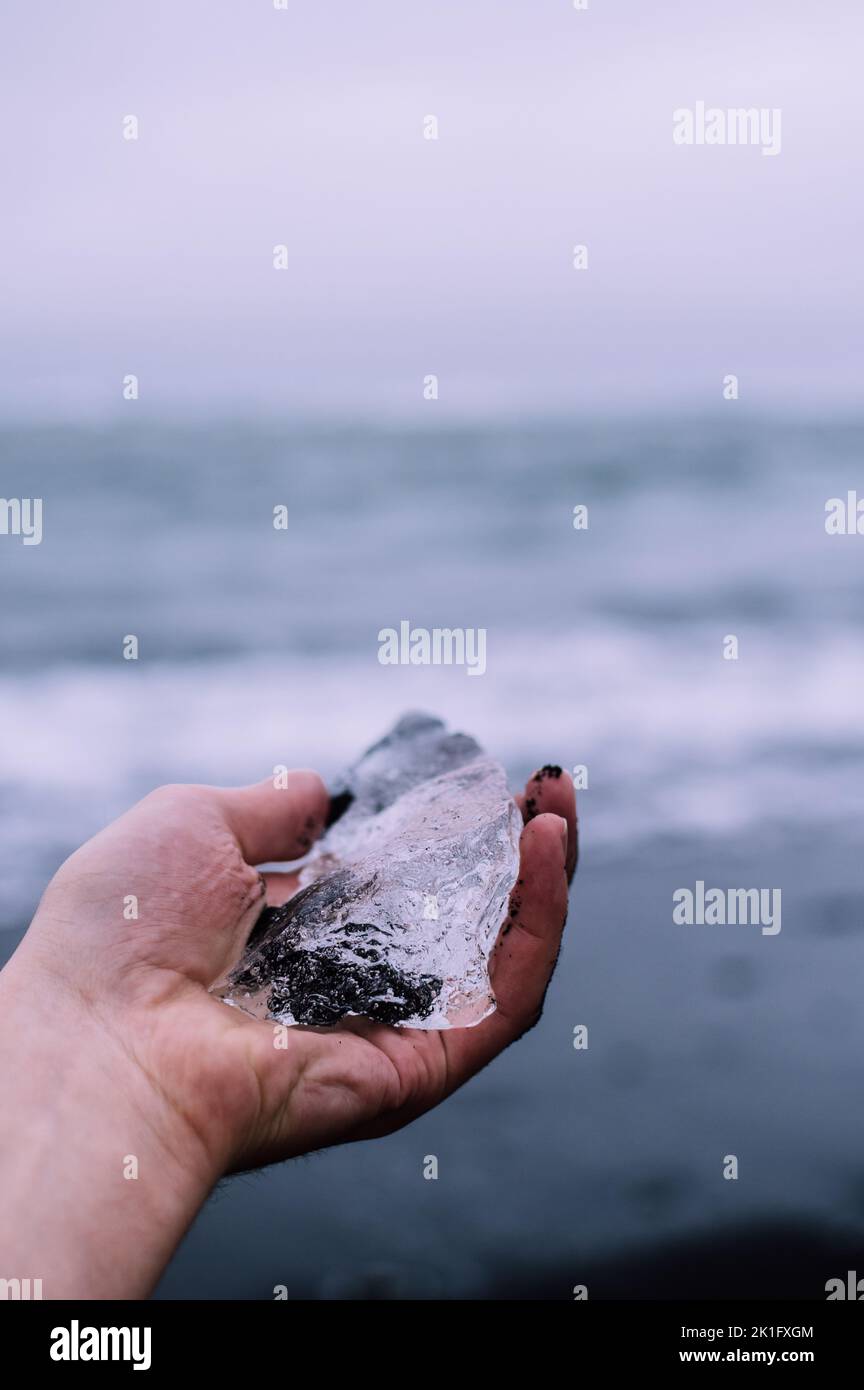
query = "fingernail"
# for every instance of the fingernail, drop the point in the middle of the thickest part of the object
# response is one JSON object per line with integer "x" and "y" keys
{"x": 564, "y": 834}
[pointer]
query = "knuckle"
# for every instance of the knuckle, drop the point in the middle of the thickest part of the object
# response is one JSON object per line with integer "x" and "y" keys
{"x": 169, "y": 791}
{"x": 530, "y": 1019}
{"x": 176, "y": 794}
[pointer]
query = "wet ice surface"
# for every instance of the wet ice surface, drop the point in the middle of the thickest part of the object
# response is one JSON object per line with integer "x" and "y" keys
{"x": 402, "y": 899}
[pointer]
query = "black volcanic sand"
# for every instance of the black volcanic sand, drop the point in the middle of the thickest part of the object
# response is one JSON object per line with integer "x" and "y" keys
{"x": 558, "y": 1166}
{"x": 605, "y": 1166}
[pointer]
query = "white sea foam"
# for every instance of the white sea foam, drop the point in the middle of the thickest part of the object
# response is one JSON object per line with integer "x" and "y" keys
{"x": 674, "y": 737}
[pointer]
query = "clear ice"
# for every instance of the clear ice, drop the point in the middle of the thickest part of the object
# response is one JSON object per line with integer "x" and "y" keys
{"x": 401, "y": 901}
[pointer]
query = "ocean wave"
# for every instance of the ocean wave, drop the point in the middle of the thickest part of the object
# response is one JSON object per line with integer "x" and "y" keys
{"x": 674, "y": 738}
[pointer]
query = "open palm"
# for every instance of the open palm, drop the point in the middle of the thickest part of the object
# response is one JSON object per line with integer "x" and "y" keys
{"x": 169, "y": 894}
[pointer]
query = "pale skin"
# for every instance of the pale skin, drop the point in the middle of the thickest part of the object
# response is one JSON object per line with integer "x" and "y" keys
{"x": 112, "y": 1048}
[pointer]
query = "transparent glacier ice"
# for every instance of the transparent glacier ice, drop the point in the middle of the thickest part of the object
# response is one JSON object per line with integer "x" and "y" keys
{"x": 401, "y": 901}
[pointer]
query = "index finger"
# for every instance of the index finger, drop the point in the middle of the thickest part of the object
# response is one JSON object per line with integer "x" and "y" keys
{"x": 525, "y": 953}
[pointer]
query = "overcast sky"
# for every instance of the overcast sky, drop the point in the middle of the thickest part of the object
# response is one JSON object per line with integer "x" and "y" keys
{"x": 409, "y": 256}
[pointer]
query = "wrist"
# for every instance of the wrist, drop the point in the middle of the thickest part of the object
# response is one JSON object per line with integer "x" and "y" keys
{"x": 99, "y": 1175}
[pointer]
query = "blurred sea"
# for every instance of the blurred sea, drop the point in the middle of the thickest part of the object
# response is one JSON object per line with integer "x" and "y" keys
{"x": 604, "y": 649}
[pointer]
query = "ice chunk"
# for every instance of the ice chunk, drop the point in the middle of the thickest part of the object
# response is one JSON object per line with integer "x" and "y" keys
{"x": 401, "y": 901}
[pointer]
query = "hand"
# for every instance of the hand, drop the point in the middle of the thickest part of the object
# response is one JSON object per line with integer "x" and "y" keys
{"x": 199, "y": 1087}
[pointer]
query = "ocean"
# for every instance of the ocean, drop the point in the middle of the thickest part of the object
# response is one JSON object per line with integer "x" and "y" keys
{"x": 606, "y": 650}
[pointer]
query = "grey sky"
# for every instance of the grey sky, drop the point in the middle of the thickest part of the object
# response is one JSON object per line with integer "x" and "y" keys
{"x": 409, "y": 256}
